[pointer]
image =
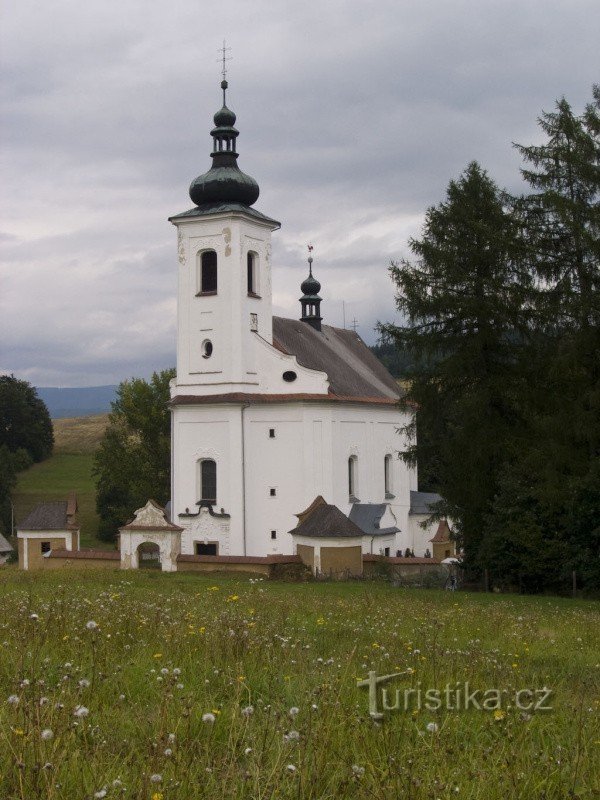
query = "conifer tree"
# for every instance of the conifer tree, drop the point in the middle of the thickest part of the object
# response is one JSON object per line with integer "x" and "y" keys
{"x": 463, "y": 301}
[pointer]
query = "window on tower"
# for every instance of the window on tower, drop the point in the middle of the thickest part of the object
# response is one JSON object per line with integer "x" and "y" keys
{"x": 252, "y": 274}
{"x": 208, "y": 480}
{"x": 208, "y": 273}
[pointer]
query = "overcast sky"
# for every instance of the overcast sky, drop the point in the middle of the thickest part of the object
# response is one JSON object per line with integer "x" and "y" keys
{"x": 353, "y": 117}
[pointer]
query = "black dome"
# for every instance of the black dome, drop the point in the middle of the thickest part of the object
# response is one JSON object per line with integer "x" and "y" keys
{"x": 310, "y": 286}
{"x": 224, "y": 182}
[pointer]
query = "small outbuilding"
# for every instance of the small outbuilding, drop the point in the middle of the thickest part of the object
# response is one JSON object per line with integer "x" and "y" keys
{"x": 49, "y": 526}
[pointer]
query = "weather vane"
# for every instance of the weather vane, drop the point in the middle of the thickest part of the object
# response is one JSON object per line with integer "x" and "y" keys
{"x": 224, "y": 58}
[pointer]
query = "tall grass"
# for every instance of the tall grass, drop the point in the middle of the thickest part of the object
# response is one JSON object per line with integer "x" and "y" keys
{"x": 213, "y": 687}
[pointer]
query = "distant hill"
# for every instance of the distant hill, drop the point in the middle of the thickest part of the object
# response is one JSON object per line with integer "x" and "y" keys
{"x": 79, "y": 402}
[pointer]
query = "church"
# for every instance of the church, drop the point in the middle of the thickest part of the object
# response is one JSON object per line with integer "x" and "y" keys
{"x": 285, "y": 432}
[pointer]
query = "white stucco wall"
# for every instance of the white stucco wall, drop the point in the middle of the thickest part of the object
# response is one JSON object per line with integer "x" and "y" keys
{"x": 308, "y": 456}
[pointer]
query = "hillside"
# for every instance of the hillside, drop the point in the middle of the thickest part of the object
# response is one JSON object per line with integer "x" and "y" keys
{"x": 63, "y": 403}
{"x": 70, "y": 467}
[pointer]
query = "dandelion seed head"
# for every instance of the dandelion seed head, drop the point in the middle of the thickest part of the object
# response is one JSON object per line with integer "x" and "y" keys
{"x": 210, "y": 718}
{"x": 91, "y": 625}
{"x": 46, "y": 735}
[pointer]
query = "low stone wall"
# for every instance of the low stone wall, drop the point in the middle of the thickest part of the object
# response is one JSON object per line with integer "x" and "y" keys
{"x": 83, "y": 559}
{"x": 259, "y": 565}
{"x": 413, "y": 571}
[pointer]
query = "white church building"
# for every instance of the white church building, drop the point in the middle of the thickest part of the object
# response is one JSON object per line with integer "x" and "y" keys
{"x": 275, "y": 421}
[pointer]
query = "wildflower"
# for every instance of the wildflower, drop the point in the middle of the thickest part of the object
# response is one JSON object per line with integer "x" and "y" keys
{"x": 294, "y": 711}
{"x": 47, "y": 734}
{"x": 33, "y": 616}
{"x": 13, "y": 700}
{"x": 291, "y": 768}
{"x": 157, "y": 655}
{"x": 499, "y": 714}
{"x": 84, "y": 683}
{"x": 117, "y": 783}
{"x": 176, "y": 671}
{"x": 164, "y": 671}
{"x": 358, "y": 771}
{"x": 171, "y": 738}
{"x": 81, "y": 711}
{"x": 432, "y": 727}
{"x": 102, "y": 793}
{"x": 157, "y": 796}
{"x": 18, "y": 731}
{"x": 247, "y": 751}
{"x": 248, "y": 711}
{"x": 291, "y": 736}
{"x": 168, "y": 752}
{"x": 91, "y": 626}
{"x": 156, "y": 778}
{"x": 208, "y": 718}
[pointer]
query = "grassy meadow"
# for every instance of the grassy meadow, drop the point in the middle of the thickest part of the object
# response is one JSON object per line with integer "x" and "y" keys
{"x": 70, "y": 467}
{"x": 172, "y": 686}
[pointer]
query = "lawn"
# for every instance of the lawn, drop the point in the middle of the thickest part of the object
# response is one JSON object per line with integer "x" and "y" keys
{"x": 157, "y": 687}
{"x": 69, "y": 468}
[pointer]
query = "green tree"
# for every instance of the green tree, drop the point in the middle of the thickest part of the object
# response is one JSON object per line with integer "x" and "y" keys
{"x": 133, "y": 461}
{"x": 24, "y": 419}
{"x": 556, "y": 499}
{"x": 463, "y": 301}
{"x": 10, "y": 465}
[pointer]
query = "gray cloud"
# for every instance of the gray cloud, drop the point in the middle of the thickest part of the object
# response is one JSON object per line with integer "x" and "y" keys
{"x": 353, "y": 119}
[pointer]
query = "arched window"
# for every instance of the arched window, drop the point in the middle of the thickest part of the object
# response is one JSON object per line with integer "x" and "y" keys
{"x": 208, "y": 273}
{"x": 252, "y": 273}
{"x": 352, "y": 477}
{"x": 208, "y": 480}
{"x": 387, "y": 473}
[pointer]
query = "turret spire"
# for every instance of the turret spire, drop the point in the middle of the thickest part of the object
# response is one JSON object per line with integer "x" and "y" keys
{"x": 310, "y": 300}
{"x": 224, "y": 182}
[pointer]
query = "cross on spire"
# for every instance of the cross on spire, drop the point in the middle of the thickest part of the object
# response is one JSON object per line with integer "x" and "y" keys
{"x": 224, "y": 58}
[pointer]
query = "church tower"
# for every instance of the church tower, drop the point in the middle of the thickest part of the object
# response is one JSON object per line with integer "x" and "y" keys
{"x": 224, "y": 285}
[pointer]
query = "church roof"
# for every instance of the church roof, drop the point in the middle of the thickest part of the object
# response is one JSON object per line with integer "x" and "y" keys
{"x": 367, "y": 516}
{"x": 421, "y": 502}
{"x": 46, "y": 517}
{"x": 352, "y": 369}
{"x": 327, "y": 521}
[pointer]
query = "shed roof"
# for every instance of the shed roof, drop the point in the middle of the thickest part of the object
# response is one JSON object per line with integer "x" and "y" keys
{"x": 443, "y": 532}
{"x": 327, "y": 521}
{"x": 5, "y": 546}
{"x": 352, "y": 369}
{"x": 367, "y": 516}
{"x": 49, "y": 516}
{"x": 421, "y": 502}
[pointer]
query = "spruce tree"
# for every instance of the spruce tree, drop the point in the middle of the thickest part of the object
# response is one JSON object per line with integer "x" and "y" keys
{"x": 559, "y": 465}
{"x": 463, "y": 300}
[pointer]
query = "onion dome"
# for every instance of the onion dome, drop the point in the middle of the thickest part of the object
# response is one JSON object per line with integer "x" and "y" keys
{"x": 224, "y": 182}
{"x": 310, "y": 300}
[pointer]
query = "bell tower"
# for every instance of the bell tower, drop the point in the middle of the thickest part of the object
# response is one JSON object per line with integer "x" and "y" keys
{"x": 224, "y": 282}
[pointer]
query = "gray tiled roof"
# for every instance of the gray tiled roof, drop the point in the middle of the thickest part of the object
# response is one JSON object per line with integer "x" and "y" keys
{"x": 46, "y": 517}
{"x": 328, "y": 521}
{"x": 367, "y": 517}
{"x": 421, "y": 502}
{"x": 206, "y": 209}
{"x": 352, "y": 369}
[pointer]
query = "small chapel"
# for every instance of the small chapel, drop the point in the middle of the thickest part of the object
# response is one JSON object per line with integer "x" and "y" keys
{"x": 285, "y": 432}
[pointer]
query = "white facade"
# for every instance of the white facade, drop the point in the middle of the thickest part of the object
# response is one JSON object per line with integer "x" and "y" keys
{"x": 272, "y": 458}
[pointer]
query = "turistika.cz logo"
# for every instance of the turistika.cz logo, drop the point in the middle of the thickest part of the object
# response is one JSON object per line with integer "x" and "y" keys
{"x": 454, "y": 696}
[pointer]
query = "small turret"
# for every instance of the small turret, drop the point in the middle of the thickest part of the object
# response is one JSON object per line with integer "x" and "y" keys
{"x": 310, "y": 300}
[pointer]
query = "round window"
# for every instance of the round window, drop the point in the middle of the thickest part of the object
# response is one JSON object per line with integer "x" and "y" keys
{"x": 289, "y": 376}
{"x": 207, "y": 348}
